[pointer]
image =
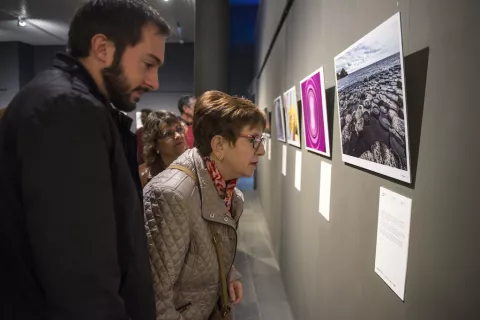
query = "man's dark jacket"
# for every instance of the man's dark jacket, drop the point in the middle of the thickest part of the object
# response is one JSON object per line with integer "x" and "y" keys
{"x": 72, "y": 239}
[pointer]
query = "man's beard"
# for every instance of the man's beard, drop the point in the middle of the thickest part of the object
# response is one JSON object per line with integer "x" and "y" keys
{"x": 118, "y": 88}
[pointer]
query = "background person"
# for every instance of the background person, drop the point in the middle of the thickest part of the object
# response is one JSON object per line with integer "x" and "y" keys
{"x": 164, "y": 142}
{"x": 196, "y": 198}
{"x": 186, "y": 107}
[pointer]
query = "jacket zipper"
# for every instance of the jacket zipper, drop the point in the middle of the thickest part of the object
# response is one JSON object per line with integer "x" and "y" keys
{"x": 234, "y": 253}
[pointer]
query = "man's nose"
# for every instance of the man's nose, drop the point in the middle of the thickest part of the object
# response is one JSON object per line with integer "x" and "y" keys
{"x": 151, "y": 80}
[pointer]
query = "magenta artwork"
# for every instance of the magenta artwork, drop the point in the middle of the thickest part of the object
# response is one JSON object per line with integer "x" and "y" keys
{"x": 314, "y": 113}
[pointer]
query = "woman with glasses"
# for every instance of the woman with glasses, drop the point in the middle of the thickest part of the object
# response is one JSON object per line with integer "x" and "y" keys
{"x": 193, "y": 207}
{"x": 163, "y": 142}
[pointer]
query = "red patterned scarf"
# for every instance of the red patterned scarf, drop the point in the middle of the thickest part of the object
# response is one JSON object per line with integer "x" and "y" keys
{"x": 224, "y": 189}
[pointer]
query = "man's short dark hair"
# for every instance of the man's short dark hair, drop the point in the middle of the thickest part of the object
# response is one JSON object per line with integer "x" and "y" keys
{"x": 184, "y": 101}
{"x": 121, "y": 21}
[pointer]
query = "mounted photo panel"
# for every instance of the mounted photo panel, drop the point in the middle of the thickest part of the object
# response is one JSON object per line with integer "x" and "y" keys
{"x": 372, "y": 104}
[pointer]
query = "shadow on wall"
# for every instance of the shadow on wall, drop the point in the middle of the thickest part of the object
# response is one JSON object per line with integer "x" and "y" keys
{"x": 416, "y": 67}
{"x": 330, "y": 94}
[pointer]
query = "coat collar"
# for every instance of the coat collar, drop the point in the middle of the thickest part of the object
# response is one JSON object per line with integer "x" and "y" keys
{"x": 75, "y": 68}
{"x": 78, "y": 72}
{"x": 213, "y": 207}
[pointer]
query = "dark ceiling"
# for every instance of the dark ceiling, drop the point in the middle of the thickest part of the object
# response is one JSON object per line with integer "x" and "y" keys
{"x": 48, "y": 20}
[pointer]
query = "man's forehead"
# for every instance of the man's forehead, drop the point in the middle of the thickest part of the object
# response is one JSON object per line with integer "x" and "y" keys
{"x": 153, "y": 45}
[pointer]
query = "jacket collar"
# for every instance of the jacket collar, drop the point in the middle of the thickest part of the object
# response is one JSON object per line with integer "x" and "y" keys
{"x": 213, "y": 207}
{"x": 77, "y": 71}
{"x": 75, "y": 68}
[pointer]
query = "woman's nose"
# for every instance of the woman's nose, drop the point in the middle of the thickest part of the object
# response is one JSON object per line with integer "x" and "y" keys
{"x": 261, "y": 149}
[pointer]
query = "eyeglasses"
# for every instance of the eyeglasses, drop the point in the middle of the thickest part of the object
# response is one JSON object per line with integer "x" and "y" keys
{"x": 256, "y": 140}
{"x": 169, "y": 134}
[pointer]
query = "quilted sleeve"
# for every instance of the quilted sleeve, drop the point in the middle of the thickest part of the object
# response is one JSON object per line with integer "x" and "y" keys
{"x": 234, "y": 274}
{"x": 167, "y": 227}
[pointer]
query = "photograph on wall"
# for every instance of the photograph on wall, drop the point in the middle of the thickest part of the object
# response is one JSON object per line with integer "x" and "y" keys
{"x": 372, "y": 104}
{"x": 291, "y": 116}
{"x": 279, "y": 119}
{"x": 314, "y": 112}
{"x": 268, "y": 118}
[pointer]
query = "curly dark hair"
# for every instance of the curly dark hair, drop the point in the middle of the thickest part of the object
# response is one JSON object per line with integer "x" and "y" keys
{"x": 155, "y": 120}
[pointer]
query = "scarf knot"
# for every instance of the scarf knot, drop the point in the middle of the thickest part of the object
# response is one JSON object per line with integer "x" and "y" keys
{"x": 224, "y": 188}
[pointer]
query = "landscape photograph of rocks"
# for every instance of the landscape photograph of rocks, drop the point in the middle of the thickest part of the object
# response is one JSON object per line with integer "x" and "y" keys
{"x": 371, "y": 100}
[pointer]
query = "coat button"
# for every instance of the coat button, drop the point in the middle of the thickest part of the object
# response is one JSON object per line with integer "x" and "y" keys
{"x": 226, "y": 219}
{"x": 212, "y": 215}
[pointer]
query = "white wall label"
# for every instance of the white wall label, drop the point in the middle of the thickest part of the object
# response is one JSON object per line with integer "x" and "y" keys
{"x": 284, "y": 160}
{"x": 325, "y": 188}
{"x": 269, "y": 148}
{"x": 393, "y": 233}
{"x": 298, "y": 169}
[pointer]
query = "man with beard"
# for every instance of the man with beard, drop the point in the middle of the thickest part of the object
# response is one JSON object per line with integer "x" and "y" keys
{"x": 72, "y": 240}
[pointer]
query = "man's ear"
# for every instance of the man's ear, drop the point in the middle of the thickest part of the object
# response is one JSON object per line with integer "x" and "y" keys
{"x": 102, "y": 49}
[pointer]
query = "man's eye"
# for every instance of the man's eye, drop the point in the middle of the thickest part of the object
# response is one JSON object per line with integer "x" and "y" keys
{"x": 148, "y": 65}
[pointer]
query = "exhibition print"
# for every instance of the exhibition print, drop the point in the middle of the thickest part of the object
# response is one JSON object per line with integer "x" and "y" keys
{"x": 314, "y": 111}
{"x": 291, "y": 116}
{"x": 279, "y": 119}
{"x": 268, "y": 117}
{"x": 372, "y": 104}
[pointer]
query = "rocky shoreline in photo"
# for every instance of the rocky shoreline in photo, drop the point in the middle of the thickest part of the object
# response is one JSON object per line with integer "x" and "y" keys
{"x": 372, "y": 118}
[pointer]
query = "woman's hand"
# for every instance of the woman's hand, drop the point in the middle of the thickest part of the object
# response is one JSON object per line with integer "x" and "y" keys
{"x": 235, "y": 289}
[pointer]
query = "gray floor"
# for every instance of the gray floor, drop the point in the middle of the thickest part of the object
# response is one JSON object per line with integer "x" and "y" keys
{"x": 264, "y": 293}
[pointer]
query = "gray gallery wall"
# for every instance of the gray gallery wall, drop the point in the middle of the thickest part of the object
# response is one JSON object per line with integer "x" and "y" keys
{"x": 328, "y": 267}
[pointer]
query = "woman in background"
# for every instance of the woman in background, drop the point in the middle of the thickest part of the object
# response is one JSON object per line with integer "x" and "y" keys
{"x": 163, "y": 142}
{"x": 192, "y": 210}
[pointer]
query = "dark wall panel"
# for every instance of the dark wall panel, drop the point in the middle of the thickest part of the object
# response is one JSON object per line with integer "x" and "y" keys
{"x": 44, "y": 56}
{"x": 9, "y": 72}
{"x": 25, "y": 63}
{"x": 241, "y": 69}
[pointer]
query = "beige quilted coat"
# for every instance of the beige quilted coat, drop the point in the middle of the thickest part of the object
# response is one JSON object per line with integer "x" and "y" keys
{"x": 182, "y": 255}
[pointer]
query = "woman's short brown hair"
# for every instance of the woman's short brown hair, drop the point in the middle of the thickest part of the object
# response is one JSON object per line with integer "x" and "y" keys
{"x": 151, "y": 128}
{"x": 217, "y": 113}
